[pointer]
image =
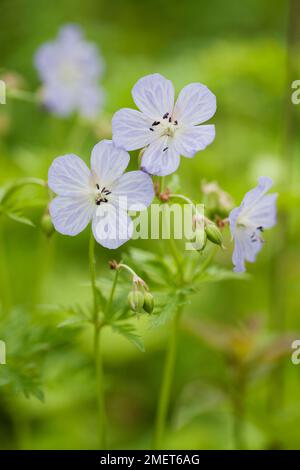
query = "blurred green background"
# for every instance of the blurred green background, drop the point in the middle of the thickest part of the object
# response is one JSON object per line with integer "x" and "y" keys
{"x": 248, "y": 54}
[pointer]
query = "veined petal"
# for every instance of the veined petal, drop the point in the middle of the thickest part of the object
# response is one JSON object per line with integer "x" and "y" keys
{"x": 71, "y": 215}
{"x": 233, "y": 218}
{"x": 195, "y": 104}
{"x": 69, "y": 176}
{"x": 192, "y": 139}
{"x": 112, "y": 227}
{"x": 263, "y": 214}
{"x": 245, "y": 249}
{"x": 154, "y": 95}
{"x": 253, "y": 196}
{"x": 131, "y": 129}
{"x": 134, "y": 190}
{"x": 108, "y": 162}
{"x": 160, "y": 158}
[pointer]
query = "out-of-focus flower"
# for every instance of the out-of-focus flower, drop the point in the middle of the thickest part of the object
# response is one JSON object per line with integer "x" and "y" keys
{"x": 166, "y": 130}
{"x": 13, "y": 80}
{"x": 70, "y": 68}
{"x": 215, "y": 199}
{"x": 102, "y": 195}
{"x": 256, "y": 212}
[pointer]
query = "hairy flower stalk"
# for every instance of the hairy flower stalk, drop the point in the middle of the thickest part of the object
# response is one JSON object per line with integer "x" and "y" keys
{"x": 139, "y": 297}
{"x": 97, "y": 348}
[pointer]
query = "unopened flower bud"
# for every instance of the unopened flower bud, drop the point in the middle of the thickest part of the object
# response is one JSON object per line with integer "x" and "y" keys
{"x": 213, "y": 233}
{"x": 47, "y": 225}
{"x": 136, "y": 300}
{"x": 113, "y": 264}
{"x": 148, "y": 302}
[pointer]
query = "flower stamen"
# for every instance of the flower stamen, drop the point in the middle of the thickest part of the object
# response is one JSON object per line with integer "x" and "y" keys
{"x": 101, "y": 195}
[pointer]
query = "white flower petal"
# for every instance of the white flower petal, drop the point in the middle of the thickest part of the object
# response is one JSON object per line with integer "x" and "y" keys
{"x": 192, "y": 139}
{"x": 154, "y": 95}
{"x": 160, "y": 158}
{"x": 254, "y": 195}
{"x": 133, "y": 190}
{"x": 108, "y": 162}
{"x": 244, "y": 249}
{"x": 195, "y": 104}
{"x": 112, "y": 227}
{"x": 68, "y": 175}
{"x": 263, "y": 214}
{"x": 131, "y": 129}
{"x": 71, "y": 215}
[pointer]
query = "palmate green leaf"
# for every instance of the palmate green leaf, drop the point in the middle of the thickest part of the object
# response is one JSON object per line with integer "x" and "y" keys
{"x": 77, "y": 315}
{"x": 28, "y": 343}
{"x": 127, "y": 330}
{"x": 25, "y": 380}
{"x": 166, "y": 307}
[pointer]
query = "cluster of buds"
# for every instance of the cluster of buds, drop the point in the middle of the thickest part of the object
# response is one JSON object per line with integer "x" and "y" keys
{"x": 139, "y": 298}
{"x": 205, "y": 230}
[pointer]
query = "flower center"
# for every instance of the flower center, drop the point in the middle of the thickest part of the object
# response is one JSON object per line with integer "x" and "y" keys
{"x": 101, "y": 194}
{"x": 69, "y": 73}
{"x": 243, "y": 223}
{"x": 166, "y": 126}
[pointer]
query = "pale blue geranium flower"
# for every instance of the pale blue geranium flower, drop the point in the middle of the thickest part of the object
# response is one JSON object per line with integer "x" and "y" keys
{"x": 247, "y": 222}
{"x": 166, "y": 130}
{"x": 101, "y": 195}
{"x": 70, "y": 68}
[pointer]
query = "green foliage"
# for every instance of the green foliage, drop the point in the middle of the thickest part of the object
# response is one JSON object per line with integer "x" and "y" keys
{"x": 129, "y": 332}
{"x": 28, "y": 343}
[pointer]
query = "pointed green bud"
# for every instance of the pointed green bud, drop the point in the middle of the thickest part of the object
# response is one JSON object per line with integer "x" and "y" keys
{"x": 136, "y": 300}
{"x": 47, "y": 225}
{"x": 148, "y": 302}
{"x": 213, "y": 233}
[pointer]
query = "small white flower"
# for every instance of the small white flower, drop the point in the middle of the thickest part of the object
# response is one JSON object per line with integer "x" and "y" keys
{"x": 256, "y": 213}
{"x": 70, "y": 68}
{"x": 102, "y": 195}
{"x": 165, "y": 129}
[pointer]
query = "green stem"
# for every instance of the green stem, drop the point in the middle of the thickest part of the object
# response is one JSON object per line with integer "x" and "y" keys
{"x": 164, "y": 398}
{"x": 45, "y": 247}
{"x": 19, "y": 184}
{"x": 92, "y": 265}
{"x": 184, "y": 198}
{"x": 173, "y": 250}
{"x": 100, "y": 388}
{"x": 4, "y": 274}
{"x": 238, "y": 403}
{"x": 97, "y": 349}
{"x": 112, "y": 293}
{"x": 22, "y": 95}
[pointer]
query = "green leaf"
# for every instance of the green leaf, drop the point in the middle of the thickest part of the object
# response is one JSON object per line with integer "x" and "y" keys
{"x": 216, "y": 274}
{"x": 129, "y": 332}
{"x": 70, "y": 322}
{"x": 167, "y": 308}
{"x": 19, "y": 218}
